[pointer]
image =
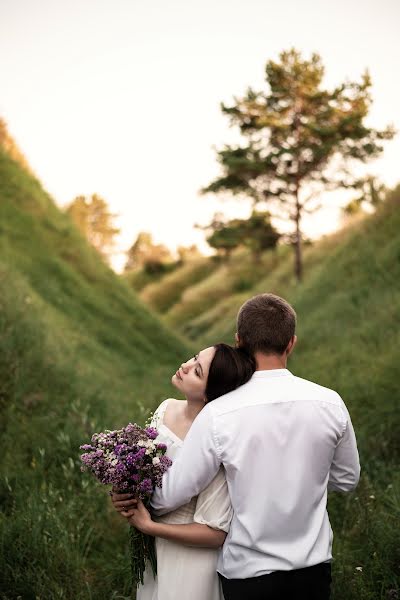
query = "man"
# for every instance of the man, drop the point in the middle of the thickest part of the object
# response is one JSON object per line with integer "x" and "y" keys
{"x": 284, "y": 442}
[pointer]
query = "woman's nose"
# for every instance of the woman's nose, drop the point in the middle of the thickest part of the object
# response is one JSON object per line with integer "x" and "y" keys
{"x": 184, "y": 367}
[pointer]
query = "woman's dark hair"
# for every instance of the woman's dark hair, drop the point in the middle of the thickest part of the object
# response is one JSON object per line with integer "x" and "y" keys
{"x": 230, "y": 368}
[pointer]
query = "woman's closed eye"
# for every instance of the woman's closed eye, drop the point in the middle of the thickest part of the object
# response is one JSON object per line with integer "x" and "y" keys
{"x": 198, "y": 370}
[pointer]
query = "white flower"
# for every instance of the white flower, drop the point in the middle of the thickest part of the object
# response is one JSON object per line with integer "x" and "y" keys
{"x": 358, "y": 568}
{"x": 141, "y": 443}
{"x": 156, "y": 461}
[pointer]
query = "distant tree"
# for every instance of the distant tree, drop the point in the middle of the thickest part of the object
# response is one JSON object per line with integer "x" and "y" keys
{"x": 8, "y": 143}
{"x": 144, "y": 253}
{"x": 93, "y": 218}
{"x": 223, "y": 236}
{"x": 186, "y": 253}
{"x": 372, "y": 193}
{"x": 300, "y": 139}
{"x": 256, "y": 233}
{"x": 259, "y": 234}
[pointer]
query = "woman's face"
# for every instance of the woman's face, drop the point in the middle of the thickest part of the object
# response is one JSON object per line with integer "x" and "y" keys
{"x": 191, "y": 377}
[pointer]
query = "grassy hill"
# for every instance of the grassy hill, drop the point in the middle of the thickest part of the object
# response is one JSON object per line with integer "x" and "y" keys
{"x": 348, "y": 310}
{"x": 163, "y": 297}
{"x": 78, "y": 353}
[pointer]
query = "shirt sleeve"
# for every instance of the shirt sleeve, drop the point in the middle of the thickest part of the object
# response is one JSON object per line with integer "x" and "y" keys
{"x": 213, "y": 507}
{"x": 345, "y": 468}
{"x": 195, "y": 467}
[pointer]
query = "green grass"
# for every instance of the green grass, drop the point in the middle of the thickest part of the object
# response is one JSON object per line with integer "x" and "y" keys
{"x": 78, "y": 353}
{"x": 348, "y": 310}
{"x": 238, "y": 275}
{"x": 162, "y": 295}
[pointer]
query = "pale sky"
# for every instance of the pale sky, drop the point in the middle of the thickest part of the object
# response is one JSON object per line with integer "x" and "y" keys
{"x": 122, "y": 97}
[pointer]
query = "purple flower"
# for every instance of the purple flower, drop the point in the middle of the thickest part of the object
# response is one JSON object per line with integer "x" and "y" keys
{"x": 125, "y": 459}
{"x": 87, "y": 447}
{"x": 140, "y": 453}
{"x": 165, "y": 461}
{"x": 119, "y": 448}
{"x": 146, "y": 486}
{"x": 151, "y": 432}
{"x": 130, "y": 459}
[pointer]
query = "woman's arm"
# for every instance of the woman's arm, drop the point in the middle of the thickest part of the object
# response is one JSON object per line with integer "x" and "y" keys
{"x": 188, "y": 534}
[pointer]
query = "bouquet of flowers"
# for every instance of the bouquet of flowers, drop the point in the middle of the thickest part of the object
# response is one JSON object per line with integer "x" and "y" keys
{"x": 131, "y": 460}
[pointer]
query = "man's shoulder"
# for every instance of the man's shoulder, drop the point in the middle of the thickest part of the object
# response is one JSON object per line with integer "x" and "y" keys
{"x": 312, "y": 390}
{"x": 290, "y": 388}
{"x": 229, "y": 401}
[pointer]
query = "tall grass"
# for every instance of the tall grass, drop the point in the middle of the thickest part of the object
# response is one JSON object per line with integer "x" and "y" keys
{"x": 78, "y": 353}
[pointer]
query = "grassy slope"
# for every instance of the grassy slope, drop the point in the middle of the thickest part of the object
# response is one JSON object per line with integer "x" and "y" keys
{"x": 199, "y": 285}
{"x": 349, "y": 339}
{"x": 78, "y": 352}
{"x": 161, "y": 296}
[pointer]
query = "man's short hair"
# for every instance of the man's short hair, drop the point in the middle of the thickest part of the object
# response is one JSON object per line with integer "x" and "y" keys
{"x": 266, "y": 323}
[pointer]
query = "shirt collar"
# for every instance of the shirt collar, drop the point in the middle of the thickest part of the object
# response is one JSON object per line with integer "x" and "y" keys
{"x": 272, "y": 373}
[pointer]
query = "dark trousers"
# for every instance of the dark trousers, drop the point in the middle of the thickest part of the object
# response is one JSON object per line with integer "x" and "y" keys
{"x": 311, "y": 583}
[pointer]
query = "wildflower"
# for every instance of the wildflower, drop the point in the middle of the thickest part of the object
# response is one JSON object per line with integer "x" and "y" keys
{"x": 129, "y": 460}
{"x": 359, "y": 569}
{"x": 152, "y": 433}
{"x": 146, "y": 486}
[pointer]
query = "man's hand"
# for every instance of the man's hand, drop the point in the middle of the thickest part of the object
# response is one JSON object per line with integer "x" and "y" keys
{"x": 123, "y": 502}
{"x": 140, "y": 518}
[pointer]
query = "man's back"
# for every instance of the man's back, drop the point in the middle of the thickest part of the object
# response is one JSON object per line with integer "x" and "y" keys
{"x": 279, "y": 439}
{"x": 283, "y": 441}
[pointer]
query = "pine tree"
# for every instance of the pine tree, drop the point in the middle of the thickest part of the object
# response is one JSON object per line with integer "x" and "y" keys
{"x": 299, "y": 140}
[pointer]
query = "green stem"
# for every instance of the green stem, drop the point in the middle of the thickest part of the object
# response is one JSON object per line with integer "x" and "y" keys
{"x": 142, "y": 549}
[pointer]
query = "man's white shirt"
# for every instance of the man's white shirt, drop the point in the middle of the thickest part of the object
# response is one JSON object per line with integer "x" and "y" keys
{"x": 284, "y": 442}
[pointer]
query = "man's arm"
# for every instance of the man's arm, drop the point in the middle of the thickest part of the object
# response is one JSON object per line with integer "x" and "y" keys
{"x": 345, "y": 469}
{"x": 197, "y": 464}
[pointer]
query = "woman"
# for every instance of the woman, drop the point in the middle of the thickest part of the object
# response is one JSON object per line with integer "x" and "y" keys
{"x": 187, "y": 539}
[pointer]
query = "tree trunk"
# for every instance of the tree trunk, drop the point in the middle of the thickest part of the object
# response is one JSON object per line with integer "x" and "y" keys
{"x": 298, "y": 266}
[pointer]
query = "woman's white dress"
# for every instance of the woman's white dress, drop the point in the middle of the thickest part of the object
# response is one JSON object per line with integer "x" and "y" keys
{"x": 187, "y": 572}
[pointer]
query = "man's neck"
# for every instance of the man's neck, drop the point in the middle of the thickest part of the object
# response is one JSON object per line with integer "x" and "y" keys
{"x": 267, "y": 362}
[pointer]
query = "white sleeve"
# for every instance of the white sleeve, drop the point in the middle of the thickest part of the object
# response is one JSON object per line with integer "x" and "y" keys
{"x": 345, "y": 468}
{"x": 213, "y": 507}
{"x": 196, "y": 465}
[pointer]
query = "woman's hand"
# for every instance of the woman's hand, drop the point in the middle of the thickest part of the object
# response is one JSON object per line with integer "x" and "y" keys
{"x": 122, "y": 502}
{"x": 140, "y": 518}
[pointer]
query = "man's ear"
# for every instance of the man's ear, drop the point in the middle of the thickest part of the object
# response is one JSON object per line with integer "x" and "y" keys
{"x": 237, "y": 340}
{"x": 291, "y": 345}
